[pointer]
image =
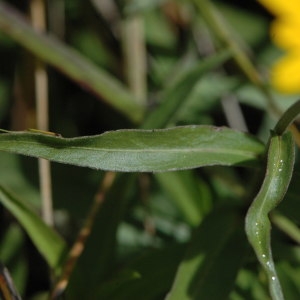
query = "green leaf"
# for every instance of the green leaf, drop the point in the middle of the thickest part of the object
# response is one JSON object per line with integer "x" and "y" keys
{"x": 213, "y": 259}
{"x": 70, "y": 62}
{"x": 47, "y": 241}
{"x": 142, "y": 150}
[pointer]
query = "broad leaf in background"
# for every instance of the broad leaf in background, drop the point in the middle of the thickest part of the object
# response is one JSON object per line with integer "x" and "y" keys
{"x": 48, "y": 242}
{"x": 145, "y": 281}
{"x": 142, "y": 150}
{"x": 213, "y": 258}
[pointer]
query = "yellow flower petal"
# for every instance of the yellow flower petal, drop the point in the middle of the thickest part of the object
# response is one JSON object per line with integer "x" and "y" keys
{"x": 282, "y": 7}
{"x": 285, "y": 33}
{"x": 285, "y": 75}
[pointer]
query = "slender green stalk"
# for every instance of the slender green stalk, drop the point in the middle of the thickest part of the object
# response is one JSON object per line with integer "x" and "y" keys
{"x": 279, "y": 171}
{"x": 219, "y": 27}
{"x": 38, "y": 18}
{"x": 221, "y": 30}
{"x": 134, "y": 52}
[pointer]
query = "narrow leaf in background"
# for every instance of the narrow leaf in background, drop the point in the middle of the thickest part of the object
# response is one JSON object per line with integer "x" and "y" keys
{"x": 47, "y": 241}
{"x": 69, "y": 62}
{"x": 174, "y": 96}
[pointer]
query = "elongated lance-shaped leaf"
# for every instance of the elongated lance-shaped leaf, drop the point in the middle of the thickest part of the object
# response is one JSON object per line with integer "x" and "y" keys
{"x": 141, "y": 150}
{"x": 48, "y": 242}
{"x": 258, "y": 228}
{"x": 69, "y": 62}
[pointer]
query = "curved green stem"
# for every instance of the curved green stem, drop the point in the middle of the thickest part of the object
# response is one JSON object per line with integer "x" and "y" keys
{"x": 258, "y": 227}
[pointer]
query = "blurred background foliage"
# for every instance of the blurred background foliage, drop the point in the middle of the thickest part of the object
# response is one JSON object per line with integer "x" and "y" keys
{"x": 149, "y": 226}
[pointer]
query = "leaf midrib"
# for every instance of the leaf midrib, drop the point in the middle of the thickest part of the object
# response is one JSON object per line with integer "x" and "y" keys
{"x": 142, "y": 150}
